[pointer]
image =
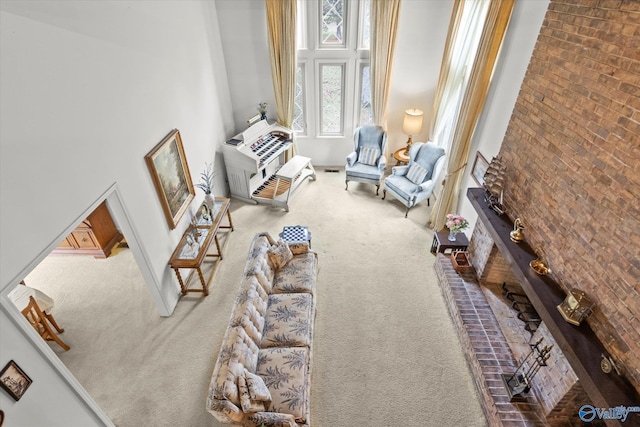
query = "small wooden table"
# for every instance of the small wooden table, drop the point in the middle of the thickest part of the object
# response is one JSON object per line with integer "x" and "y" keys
{"x": 401, "y": 157}
{"x": 442, "y": 244}
{"x": 194, "y": 245}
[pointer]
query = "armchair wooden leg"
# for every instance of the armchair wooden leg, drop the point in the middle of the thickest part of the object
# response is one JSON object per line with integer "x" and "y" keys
{"x": 428, "y": 198}
{"x": 346, "y": 184}
{"x": 406, "y": 213}
{"x": 377, "y": 189}
{"x": 384, "y": 194}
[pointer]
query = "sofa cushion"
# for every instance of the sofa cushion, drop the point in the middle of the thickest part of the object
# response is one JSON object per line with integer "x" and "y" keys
{"x": 258, "y": 260}
{"x": 285, "y": 372}
{"x": 257, "y": 388}
{"x": 272, "y": 419}
{"x": 279, "y": 254}
{"x": 237, "y": 353}
{"x": 288, "y": 321}
{"x": 247, "y": 404}
{"x": 299, "y": 275}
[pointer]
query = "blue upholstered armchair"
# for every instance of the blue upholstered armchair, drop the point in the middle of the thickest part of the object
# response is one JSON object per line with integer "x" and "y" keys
{"x": 414, "y": 182}
{"x": 367, "y": 161}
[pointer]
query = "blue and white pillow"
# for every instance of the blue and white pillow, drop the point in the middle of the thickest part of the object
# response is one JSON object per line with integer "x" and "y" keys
{"x": 368, "y": 156}
{"x": 416, "y": 174}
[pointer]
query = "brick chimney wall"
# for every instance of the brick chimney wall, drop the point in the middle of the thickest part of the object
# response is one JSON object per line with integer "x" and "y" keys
{"x": 573, "y": 153}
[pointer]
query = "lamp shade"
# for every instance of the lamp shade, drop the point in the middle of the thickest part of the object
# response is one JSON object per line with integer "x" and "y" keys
{"x": 412, "y": 124}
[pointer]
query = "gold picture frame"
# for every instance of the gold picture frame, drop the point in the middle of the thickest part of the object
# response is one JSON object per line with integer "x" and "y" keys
{"x": 14, "y": 381}
{"x": 479, "y": 168}
{"x": 171, "y": 178}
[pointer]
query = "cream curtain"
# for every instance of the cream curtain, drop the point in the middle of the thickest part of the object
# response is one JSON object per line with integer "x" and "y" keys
{"x": 281, "y": 25}
{"x": 384, "y": 26}
{"x": 474, "y": 94}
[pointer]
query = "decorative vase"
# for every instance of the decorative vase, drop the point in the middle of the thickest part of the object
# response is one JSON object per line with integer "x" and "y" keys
{"x": 209, "y": 199}
{"x": 452, "y": 235}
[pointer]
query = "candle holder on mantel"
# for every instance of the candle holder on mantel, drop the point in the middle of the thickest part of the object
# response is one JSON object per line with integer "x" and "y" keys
{"x": 519, "y": 383}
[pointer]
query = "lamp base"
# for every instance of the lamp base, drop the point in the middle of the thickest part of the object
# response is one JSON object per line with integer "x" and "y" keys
{"x": 409, "y": 142}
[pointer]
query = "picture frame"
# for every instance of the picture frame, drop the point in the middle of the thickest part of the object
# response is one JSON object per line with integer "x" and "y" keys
{"x": 169, "y": 170}
{"x": 479, "y": 168}
{"x": 14, "y": 380}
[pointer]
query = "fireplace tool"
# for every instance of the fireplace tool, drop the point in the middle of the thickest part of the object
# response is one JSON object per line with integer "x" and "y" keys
{"x": 519, "y": 383}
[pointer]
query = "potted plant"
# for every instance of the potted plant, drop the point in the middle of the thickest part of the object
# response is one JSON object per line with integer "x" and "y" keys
{"x": 206, "y": 185}
{"x": 262, "y": 109}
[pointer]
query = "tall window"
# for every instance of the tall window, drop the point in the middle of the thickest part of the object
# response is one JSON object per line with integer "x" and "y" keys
{"x": 333, "y": 94}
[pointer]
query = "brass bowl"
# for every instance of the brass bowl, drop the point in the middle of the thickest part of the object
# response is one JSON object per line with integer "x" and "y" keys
{"x": 540, "y": 267}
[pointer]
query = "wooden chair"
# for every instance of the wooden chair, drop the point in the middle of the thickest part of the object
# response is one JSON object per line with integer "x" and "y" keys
{"x": 43, "y": 297}
{"x": 38, "y": 320}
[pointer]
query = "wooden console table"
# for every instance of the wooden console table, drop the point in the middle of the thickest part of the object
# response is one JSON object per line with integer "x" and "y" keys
{"x": 193, "y": 250}
{"x": 579, "y": 344}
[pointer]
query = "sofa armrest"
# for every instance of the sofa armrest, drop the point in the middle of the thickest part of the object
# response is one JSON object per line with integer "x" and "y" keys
{"x": 382, "y": 162}
{"x": 271, "y": 419}
{"x": 351, "y": 158}
{"x": 298, "y": 248}
{"x": 400, "y": 170}
{"x": 426, "y": 186}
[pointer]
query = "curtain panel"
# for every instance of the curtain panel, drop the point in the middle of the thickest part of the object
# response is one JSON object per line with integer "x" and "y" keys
{"x": 281, "y": 25}
{"x": 475, "y": 93}
{"x": 384, "y": 27}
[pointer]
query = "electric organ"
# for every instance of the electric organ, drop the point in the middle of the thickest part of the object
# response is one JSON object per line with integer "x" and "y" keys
{"x": 256, "y": 168}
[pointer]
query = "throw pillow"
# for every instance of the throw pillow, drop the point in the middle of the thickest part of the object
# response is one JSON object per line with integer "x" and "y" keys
{"x": 416, "y": 174}
{"x": 368, "y": 155}
{"x": 299, "y": 248}
{"x": 280, "y": 254}
{"x": 257, "y": 388}
{"x": 248, "y": 405}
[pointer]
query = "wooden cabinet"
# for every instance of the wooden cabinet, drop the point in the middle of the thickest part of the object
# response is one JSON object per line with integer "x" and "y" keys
{"x": 96, "y": 235}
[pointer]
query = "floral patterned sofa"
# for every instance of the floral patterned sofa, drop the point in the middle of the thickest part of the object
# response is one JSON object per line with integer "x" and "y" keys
{"x": 263, "y": 372}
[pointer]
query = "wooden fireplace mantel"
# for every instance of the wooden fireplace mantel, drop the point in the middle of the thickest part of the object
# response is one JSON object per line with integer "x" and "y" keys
{"x": 579, "y": 344}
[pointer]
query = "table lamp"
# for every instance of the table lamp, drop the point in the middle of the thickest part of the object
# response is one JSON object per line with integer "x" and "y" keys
{"x": 412, "y": 125}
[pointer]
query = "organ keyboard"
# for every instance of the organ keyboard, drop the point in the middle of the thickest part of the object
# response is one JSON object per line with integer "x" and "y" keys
{"x": 253, "y": 160}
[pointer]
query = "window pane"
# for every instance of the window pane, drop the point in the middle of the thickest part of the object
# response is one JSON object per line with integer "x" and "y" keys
{"x": 332, "y": 22}
{"x": 366, "y": 110}
{"x": 365, "y": 26}
{"x": 299, "y": 123}
{"x": 331, "y": 102}
{"x": 301, "y": 25}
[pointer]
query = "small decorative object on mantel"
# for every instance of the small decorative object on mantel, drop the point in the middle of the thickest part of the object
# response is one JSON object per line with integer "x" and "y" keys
{"x": 494, "y": 185}
{"x": 607, "y": 365}
{"x": 206, "y": 185}
{"x": 539, "y": 267}
{"x": 575, "y": 307}
{"x": 517, "y": 235}
{"x": 520, "y": 381}
{"x": 456, "y": 224}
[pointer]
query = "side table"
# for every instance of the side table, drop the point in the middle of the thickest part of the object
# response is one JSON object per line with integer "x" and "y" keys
{"x": 401, "y": 157}
{"x": 194, "y": 246}
{"x": 442, "y": 244}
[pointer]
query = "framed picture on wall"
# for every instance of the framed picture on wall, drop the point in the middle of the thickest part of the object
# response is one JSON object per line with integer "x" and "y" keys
{"x": 480, "y": 165}
{"x": 14, "y": 381}
{"x": 170, "y": 173}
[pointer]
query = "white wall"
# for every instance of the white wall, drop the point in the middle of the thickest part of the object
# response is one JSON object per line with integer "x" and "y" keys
{"x": 515, "y": 54}
{"x": 88, "y": 88}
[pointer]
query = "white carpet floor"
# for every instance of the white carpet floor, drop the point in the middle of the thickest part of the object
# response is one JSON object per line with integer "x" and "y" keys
{"x": 385, "y": 351}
